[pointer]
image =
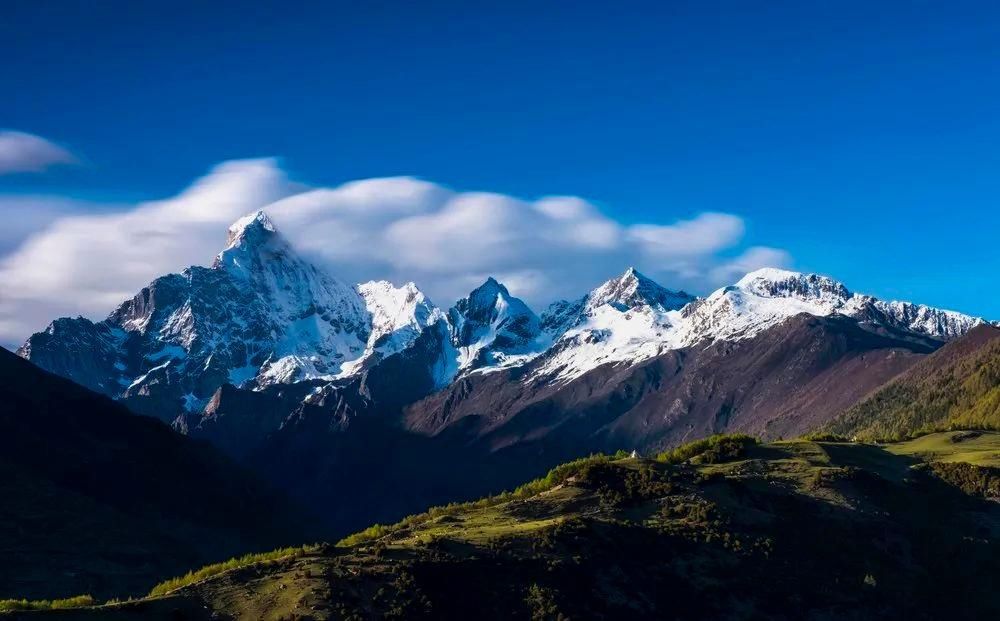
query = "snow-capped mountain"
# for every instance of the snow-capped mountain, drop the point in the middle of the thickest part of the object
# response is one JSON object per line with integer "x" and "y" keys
{"x": 631, "y": 318}
{"x": 629, "y": 291}
{"x": 626, "y": 318}
{"x": 304, "y": 323}
{"x": 260, "y": 315}
{"x": 264, "y": 316}
{"x": 768, "y": 296}
{"x": 492, "y": 328}
{"x": 398, "y": 315}
{"x": 314, "y": 383}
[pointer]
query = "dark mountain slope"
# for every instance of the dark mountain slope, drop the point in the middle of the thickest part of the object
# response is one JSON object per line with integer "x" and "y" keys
{"x": 957, "y": 386}
{"x": 237, "y": 421}
{"x": 96, "y": 499}
{"x": 241, "y": 422}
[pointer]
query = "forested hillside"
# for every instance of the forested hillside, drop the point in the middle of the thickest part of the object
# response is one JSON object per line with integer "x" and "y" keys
{"x": 957, "y": 387}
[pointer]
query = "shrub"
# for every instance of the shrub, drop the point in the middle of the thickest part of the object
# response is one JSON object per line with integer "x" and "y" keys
{"x": 212, "y": 570}
{"x": 559, "y": 475}
{"x": 712, "y": 450}
{"x": 373, "y": 532}
{"x": 79, "y": 601}
{"x": 541, "y": 602}
{"x": 982, "y": 481}
{"x": 825, "y": 436}
{"x": 617, "y": 487}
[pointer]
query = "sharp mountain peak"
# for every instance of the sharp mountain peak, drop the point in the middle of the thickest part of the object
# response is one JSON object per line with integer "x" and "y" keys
{"x": 633, "y": 289}
{"x": 254, "y": 226}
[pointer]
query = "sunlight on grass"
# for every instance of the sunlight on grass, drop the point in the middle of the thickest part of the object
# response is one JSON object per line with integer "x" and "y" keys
{"x": 212, "y": 570}
{"x": 14, "y": 605}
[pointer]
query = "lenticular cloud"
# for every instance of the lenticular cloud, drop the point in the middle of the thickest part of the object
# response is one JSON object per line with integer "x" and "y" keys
{"x": 22, "y": 152}
{"x": 398, "y": 228}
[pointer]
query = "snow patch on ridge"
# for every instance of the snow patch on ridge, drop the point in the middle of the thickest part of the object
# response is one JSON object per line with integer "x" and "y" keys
{"x": 601, "y": 329}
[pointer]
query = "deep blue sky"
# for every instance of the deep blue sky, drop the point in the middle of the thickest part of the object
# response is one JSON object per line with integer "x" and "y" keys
{"x": 860, "y": 136}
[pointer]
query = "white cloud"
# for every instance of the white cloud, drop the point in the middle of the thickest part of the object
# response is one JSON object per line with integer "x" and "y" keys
{"x": 751, "y": 259}
{"x": 21, "y": 152}
{"x": 87, "y": 264}
{"x": 396, "y": 228}
{"x": 25, "y": 215}
{"x": 705, "y": 234}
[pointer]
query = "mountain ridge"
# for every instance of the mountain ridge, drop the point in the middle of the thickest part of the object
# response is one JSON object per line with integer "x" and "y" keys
{"x": 262, "y": 315}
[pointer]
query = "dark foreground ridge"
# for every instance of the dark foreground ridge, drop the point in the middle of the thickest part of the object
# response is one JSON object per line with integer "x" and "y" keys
{"x": 98, "y": 500}
{"x": 727, "y": 528}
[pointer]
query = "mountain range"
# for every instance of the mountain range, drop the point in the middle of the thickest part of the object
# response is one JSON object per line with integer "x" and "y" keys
{"x": 293, "y": 407}
{"x": 262, "y": 315}
{"x": 309, "y": 380}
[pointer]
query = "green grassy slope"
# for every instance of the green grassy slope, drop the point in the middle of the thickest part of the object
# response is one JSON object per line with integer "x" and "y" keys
{"x": 974, "y": 447}
{"x": 957, "y": 387}
{"x": 787, "y": 530}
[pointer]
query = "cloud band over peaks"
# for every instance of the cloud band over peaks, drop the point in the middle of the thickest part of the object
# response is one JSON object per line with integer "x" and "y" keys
{"x": 396, "y": 228}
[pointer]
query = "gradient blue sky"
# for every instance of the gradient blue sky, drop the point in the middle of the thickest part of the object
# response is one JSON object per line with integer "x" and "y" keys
{"x": 860, "y": 137}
